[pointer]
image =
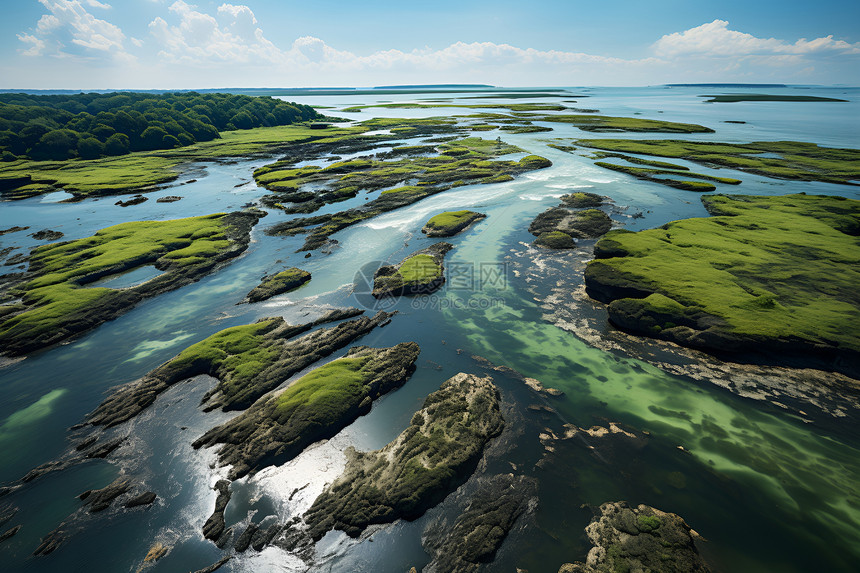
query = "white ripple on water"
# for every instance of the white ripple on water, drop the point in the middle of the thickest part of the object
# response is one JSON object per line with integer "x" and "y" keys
{"x": 468, "y": 196}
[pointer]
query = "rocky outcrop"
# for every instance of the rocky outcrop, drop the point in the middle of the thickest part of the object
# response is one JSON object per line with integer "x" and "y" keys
{"x": 146, "y": 498}
{"x": 9, "y": 533}
{"x": 422, "y": 272}
{"x": 480, "y": 528}
{"x": 136, "y": 200}
{"x": 243, "y": 542}
{"x": 611, "y": 443}
{"x": 427, "y": 461}
{"x": 268, "y": 343}
{"x": 532, "y": 383}
{"x": 639, "y": 539}
{"x": 40, "y": 322}
{"x": 15, "y": 229}
{"x": 47, "y": 235}
{"x": 215, "y": 566}
{"x": 450, "y": 223}
{"x": 585, "y": 224}
{"x": 51, "y": 542}
{"x": 582, "y": 200}
{"x": 214, "y": 527}
{"x": 706, "y": 283}
{"x": 315, "y": 407}
{"x": 101, "y": 499}
{"x": 284, "y": 281}
{"x": 557, "y": 227}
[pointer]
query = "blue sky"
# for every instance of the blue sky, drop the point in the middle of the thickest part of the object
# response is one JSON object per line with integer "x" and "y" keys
{"x": 176, "y": 44}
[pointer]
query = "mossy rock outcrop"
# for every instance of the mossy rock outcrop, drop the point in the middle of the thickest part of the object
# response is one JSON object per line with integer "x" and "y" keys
{"x": 284, "y": 281}
{"x": 422, "y": 272}
{"x": 427, "y": 461}
{"x": 450, "y": 223}
{"x": 582, "y": 200}
{"x": 248, "y": 361}
{"x": 57, "y": 301}
{"x": 795, "y": 160}
{"x": 315, "y": 407}
{"x": 639, "y": 539}
{"x": 557, "y": 227}
{"x": 767, "y": 278}
{"x": 555, "y": 240}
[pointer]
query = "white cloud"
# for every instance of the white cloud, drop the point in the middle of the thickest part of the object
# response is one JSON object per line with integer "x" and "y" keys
{"x": 715, "y": 39}
{"x": 201, "y": 39}
{"x": 47, "y": 23}
{"x": 193, "y": 47}
{"x": 69, "y": 22}
{"x": 37, "y": 46}
{"x": 309, "y": 49}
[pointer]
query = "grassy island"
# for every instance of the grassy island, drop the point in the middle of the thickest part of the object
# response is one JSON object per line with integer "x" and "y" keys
{"x": 608, "y": 124}
{"x": 775, "y": 275}
{"x": 777, "y": 159}
{"x": 56, "y": 301}
{"x": 557, "y": 227}
{"x": 315, "y": 407}
{"x": 582, "y": 121}
{"x": 427, "y": 461}
{"x": 450, "y": 223}
{"x": 248, "y": 361}
{"x": 421, "y": 272}
{"x": 655, "y": 175}
{"x": 582, "y": 200}
{"x": 279, "y": 283}
{"x": 143, "y": 170}
{"x": 555, "y": 240}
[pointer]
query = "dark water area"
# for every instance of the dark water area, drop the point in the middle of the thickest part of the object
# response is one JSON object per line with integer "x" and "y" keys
{"x": 768, "y": 491}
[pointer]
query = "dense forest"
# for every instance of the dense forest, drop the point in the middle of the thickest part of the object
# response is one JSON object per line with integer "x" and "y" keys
{"x": 95, "y": 125}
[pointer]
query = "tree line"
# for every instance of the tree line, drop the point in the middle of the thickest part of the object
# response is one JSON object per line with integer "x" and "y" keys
{"x": 89, "y": 126}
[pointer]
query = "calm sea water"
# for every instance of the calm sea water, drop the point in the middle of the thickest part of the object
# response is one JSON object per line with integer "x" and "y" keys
{"x": 769, "y": 492}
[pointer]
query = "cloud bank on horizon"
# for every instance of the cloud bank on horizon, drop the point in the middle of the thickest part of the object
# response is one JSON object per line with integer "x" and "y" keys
{"x": 77, "y": 45}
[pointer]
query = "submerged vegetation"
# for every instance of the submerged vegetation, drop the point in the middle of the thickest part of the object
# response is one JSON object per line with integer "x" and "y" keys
{"x": 58, "y": 127}
{"x": 763, "y": 274}
{"x": 57, "y": 303}
{"x": 315, "y": 407}
{"x": 777, "y": 159}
